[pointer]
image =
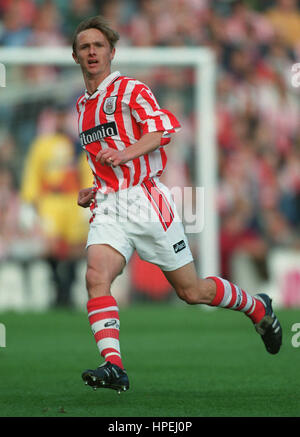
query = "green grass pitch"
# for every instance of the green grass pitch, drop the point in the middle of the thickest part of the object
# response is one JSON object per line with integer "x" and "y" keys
{"x": 182, "y": 361}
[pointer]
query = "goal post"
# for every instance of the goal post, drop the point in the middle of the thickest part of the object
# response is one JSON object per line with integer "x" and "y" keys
{"x": 206, "y": 158}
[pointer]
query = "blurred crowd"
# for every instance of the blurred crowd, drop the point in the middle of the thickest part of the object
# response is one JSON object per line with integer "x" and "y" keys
{"x": 258, "y": 109}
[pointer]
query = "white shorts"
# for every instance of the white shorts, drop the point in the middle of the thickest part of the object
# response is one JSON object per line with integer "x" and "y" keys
{"x": 142, "y": 218}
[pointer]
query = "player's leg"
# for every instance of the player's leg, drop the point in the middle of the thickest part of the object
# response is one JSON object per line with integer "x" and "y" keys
{"x": 104, "y": 264}
{"x": 215, "y": 291}
{"x": 167, "y": 246}
{"x": 189, "y": 287}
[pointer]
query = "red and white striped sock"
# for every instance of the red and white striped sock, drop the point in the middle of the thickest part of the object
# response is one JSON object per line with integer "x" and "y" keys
{"x": 103, "y": 313}
{"x": 231, "y": 296}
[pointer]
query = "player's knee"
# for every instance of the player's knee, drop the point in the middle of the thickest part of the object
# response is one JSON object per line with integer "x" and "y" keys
{"x": 196, "y": 294}
{"x": 189, "y": 295}
{"x": 97, "y": 283}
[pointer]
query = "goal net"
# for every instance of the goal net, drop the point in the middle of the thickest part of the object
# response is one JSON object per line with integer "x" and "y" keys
{"x": 183, "y": 81}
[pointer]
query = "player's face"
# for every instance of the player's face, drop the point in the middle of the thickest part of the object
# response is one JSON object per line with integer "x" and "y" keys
{"x": 93, "y": 53}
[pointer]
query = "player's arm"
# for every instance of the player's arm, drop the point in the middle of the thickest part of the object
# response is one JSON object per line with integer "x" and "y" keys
{"x": 146, "y": 144}
{"x": 146, "y": 111}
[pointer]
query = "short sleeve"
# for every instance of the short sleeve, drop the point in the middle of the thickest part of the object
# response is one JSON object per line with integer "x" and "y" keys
{"x": 148, "y": 114}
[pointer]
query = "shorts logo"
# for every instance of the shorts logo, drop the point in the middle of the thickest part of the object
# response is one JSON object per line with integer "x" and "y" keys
{"x": 179, "y": 246}
{"x": 97, "y": 133}
{"x": 109, "y": 105}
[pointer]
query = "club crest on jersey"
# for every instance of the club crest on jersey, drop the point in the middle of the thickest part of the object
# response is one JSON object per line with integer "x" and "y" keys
{"x": 109, "y": 105}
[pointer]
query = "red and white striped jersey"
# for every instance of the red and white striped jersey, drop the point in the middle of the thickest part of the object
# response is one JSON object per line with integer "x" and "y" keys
{"x": 121, "y": 111}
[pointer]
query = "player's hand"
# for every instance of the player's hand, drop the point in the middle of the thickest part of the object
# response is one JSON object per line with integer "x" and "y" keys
{"x": 85, "y": 197}
{"x": 111, "y": 157}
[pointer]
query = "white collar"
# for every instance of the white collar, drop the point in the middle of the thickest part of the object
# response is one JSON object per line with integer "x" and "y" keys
{"x": 103, "y": 85}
